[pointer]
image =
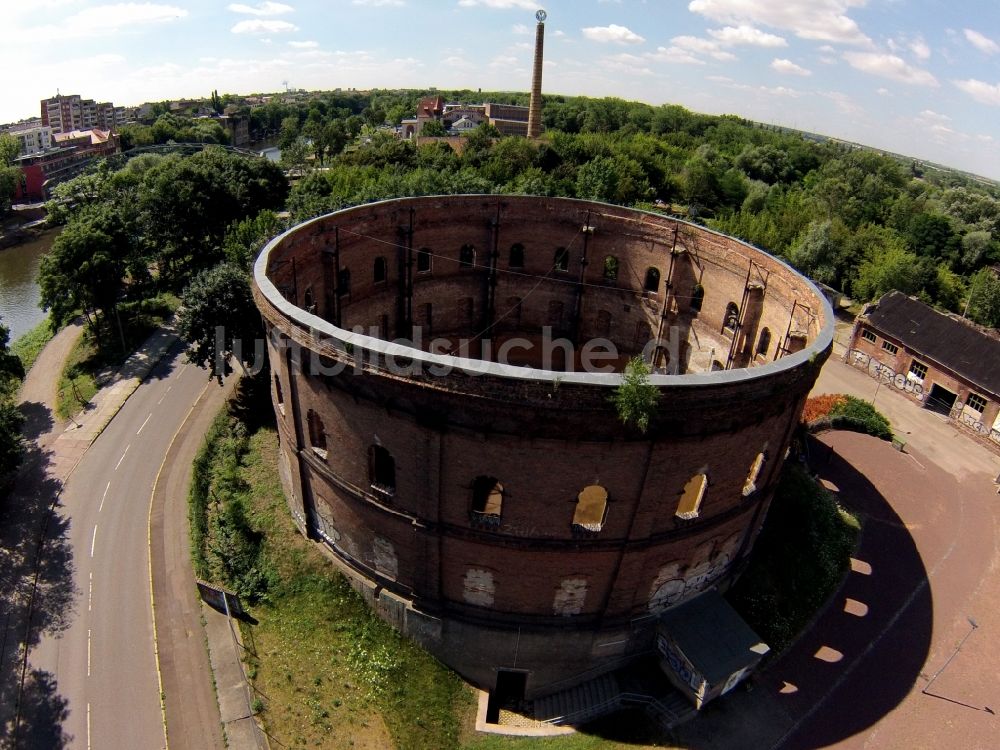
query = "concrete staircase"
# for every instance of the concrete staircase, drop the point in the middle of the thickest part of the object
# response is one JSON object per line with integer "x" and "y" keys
{"x": 607, "y": 693}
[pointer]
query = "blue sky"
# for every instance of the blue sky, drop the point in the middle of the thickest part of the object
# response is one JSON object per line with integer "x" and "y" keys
{"x": 916, "y": 77}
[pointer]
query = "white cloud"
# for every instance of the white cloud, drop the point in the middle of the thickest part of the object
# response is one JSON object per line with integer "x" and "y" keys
{"x": 843, "y": 102}
{"x": 380, "y": 3}
{"x": 266, "y": 8}
{"x": 259, "y": 26}
{"x": 733, "y": 35}
{"x": 303, "y": 45}
{"x": 919, "y": 48}
{"x": 106, "y": 19}
{"x": 501, "y": 4}
{"x": 890, "y": 66}
{"x": 982, "y": 42}
{"x": 702, "y": 46}
{"x": 787, "y": 67}
{"x": 823, "y": 20}
{"x": 932, "y": 116}
{"x": 626, "y": 63}
{"x": 520, "y": 29}
{"x": 985, "y": 93}
{"x": 504, "y": 61}
{"x": 613, "y": 33}
{"x": 883, "y": 91}
{"x": 674, "y": 55}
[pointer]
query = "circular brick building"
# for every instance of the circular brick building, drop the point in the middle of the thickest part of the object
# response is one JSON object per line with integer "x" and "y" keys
{"x": 443, "y": 369}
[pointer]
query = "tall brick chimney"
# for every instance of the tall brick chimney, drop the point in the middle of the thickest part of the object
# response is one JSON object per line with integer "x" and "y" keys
{"x": 535, "y": 106}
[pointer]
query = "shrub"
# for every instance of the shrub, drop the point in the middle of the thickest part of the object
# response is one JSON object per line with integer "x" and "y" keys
{"x": 860, "y": 416}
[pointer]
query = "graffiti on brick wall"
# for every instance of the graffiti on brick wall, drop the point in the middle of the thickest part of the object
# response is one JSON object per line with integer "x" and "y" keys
{"x": 970, "y": 419}
{"x": 672, "y": 584}
{"x": 385, "y": 557}
{"x": 479, "y": 587}
{"x": 569, "y": 597}
{"x": 886, "y": 374}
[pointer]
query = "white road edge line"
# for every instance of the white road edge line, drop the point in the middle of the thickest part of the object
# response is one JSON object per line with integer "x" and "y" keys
{"x": 144, "y": 423}
{"x": 93, "y": 541}
{"x": 103, "y": 497}
{"x": 90, "y": 594}
{"x": 164, "y": 394}
{"x": 149, "y": 560}
{"x": 88, "y": 652}
{"x": 123, "y": 456}
{"x": 88, "y": 726}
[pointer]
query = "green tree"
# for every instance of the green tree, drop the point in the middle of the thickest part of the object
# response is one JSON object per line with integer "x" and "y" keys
{"x": 433, "y": 129}
{"x": 984, "y": 298}
{"x": 819, "y": 251}
{"x": 219, "y": 320}
{"x": 9, "y": 174}
{"x": 11, "y": 369}
{"x": 890, "y": 268}
{"x": 244, "y": 239}
{"x": 289, "y": 132}
{"x": 636, "y": 398}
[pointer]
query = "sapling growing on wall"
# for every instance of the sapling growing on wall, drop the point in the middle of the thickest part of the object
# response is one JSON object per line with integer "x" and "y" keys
{"x": 636, "y": 397}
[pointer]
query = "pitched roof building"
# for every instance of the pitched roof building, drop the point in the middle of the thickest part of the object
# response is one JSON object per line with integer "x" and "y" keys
{"x": 945, "y": 362}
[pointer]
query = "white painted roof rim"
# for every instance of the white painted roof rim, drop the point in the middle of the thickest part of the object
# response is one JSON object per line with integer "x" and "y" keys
{"x": 323, "y": 328}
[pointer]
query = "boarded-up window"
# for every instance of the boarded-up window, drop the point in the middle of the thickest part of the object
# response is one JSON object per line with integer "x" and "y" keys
{"x": 467, "y": 256}
{"x": 591, "y": 505}
{"x": 750, "y": 486}
{"x": 380, "y": 271}
{"x": 344, "y": 281}
{"x": 694, "y": 492}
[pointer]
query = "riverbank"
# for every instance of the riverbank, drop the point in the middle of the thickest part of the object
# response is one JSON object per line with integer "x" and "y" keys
{"x": 19, "y": 291}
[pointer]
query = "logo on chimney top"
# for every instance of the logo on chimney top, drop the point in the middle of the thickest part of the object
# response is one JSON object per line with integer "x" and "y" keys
{"x": 541, "y": 15}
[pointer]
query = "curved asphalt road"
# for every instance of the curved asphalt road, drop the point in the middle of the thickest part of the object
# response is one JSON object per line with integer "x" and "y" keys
{"x": 104, "y": 661}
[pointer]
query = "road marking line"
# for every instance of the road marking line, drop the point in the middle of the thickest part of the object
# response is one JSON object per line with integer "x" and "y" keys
{"x": 123, "y": 456}
{"x": 93, "y": 541}
{"x": 90, "y": 594}
{"x": 103, "y": 497}
{"x": 88, "y": 726}
{"x": 88, "y": 652}
{"x": 144, "y": 423}
{"x": 164, "y": 394}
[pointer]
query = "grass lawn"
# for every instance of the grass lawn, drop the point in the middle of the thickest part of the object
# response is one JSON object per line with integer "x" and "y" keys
{"x": 29, "y": 345}
{"x": 87, "y": 361}
{"x": 798, "y": 561}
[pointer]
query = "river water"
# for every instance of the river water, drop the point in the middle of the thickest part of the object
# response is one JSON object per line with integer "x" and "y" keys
{"x": 19, "y": 293}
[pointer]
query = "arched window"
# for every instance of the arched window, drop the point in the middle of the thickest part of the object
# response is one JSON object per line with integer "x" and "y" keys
{"x": 381, "y": 271}
{"x": 652, "y": 283}
{"x": 423, "y": 260}
{"x": 310, "y": 304}
{"x": 764, "y": 342}
{"x": 750, "y": 485}
{"x": 317, "y": 434}
{"x": 697, "y": 297}
{"x": 694, "y": 493}
{"x": 279, "y": 395}
{"x": 732, "y": 318}
{"x": 591, "y": 506}
{"x": 516, "y": 255}
{"x": 344, "y": 281}
{"x": 467, "y": 256}
{"x": 382, "y": 470}
{"x": 487, "y": 496}
{"x": 611, "y": 268}
{"x": 560, "y": 261}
